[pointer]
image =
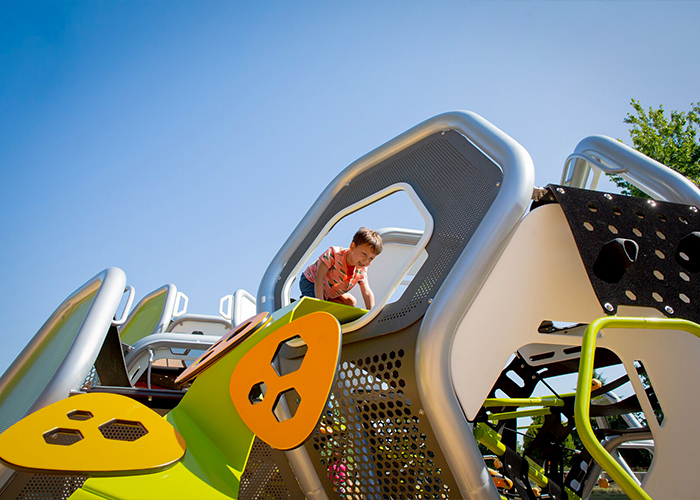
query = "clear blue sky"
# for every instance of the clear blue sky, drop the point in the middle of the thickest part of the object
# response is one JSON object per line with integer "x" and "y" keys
{"x": 183, "y": 141}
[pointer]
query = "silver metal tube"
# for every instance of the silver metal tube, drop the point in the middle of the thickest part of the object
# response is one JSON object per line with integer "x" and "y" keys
{"x": 611, "y": 445}
{"x": 168, "y": 340}
{"x": 433, "y": 354}
{"x": 652, "y": 177}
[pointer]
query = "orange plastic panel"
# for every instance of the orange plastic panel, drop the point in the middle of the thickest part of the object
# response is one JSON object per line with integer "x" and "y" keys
{"x": 312, "y": 381}
{"x": 95, "y": 434}
{"x": 223, "y": 346}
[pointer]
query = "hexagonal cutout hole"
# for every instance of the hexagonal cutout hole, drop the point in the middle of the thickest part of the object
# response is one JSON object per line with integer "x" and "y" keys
{"x": 79, "y": 415}
{"x": 257, "y": 393}
{"x": 293, "y": 402}
{"x": 295, "y": 341}
{"x": 63, "y": 437}
{"x": 123, "y": 430}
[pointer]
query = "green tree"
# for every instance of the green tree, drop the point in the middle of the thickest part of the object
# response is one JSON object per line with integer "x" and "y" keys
{"x": 672, "y": 141}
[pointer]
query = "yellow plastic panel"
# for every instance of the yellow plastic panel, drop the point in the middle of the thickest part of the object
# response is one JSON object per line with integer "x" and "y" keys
{"x": 95, "y": 434}
{"x": 256, "y": 387}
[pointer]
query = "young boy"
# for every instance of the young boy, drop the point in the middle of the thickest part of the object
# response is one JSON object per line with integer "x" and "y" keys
{"x": 338, "y": 269}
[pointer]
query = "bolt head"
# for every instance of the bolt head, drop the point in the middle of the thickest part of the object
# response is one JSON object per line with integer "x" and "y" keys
{"x": 607, "y": 196}
{"x": 609, "y": 307}
{"x": 669, "y": 309}
{"x": 694, "y": 209}
{"x": 560, "y": 190}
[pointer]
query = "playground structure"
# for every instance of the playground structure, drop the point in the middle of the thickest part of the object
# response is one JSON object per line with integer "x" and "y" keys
{"x": 506, "y": 288}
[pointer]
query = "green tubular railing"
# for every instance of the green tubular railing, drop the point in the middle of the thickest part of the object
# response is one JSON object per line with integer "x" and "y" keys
{"x": 495, "y": 417}
{"x": 583, "y": 392}
{"x": 492, "y": 440}
{"x": 543, "y": 401}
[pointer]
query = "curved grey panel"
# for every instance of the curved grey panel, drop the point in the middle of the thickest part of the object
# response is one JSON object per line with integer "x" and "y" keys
{"x": 60, "y": 355}
{"x": 433, "y": 372}
{"x": 455, "y": 181}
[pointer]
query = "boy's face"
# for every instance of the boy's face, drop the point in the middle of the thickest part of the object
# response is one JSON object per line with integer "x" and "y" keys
{"x": 360, "y": 255}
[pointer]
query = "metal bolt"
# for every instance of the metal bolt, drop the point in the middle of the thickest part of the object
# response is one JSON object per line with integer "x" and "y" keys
{"x": 421, "y": 412}
{"x": 607, "y": 196}
{"x": 651, "y": 203}
{"x": 560, "y": 190}
{"x": 522, "y": 366}
{"x": 534, "y": 377}
{"x": 443, "y": 132}
{"x": 498, "y": 184}
{"x": 608, "y": 307}
{"x": 669, "y": 309}
{"x": 430, "y": 301}
{"x": 694, "y": 209}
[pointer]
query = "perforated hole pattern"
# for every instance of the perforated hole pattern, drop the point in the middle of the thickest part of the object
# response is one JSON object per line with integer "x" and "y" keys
{"x": 123, "y": 430}
{"x": 455, "y": 181}
{"x": 91, "y": 380}
{"x": 45, "y": 487}
{"x": 63, "y": 437}
{"x": 261, "y": 478}
{"x": 370, "y": 440}
{"x": 656, "y": 279}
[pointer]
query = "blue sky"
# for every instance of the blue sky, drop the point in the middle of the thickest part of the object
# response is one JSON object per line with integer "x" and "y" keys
{"x": 183, "y": 141}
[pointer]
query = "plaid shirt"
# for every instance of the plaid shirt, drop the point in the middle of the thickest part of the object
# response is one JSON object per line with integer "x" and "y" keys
{"x": 337, "y": 280}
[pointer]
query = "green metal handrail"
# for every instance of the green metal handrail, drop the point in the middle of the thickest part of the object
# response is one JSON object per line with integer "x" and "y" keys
{"x": 583, "y": 392}
{"x": 543, "y": 401}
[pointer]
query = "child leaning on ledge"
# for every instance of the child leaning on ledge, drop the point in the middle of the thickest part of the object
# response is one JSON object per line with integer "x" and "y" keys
{"x": 339, "y": 269}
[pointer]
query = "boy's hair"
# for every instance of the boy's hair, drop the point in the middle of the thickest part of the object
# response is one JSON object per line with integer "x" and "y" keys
{"x": 365, "y": 236}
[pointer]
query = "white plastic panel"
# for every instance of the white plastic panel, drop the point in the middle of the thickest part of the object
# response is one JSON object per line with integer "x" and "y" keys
{"x": 244, "y": 306}
{"x": 540, "y": 276}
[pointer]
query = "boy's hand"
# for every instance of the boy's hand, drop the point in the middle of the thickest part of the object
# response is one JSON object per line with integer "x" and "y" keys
{"x": 367, "y": 294}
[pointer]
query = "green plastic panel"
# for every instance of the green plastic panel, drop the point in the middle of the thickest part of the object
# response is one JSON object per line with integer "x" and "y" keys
{"x": 145, "y": 320}
{"x": 218, "y": 441}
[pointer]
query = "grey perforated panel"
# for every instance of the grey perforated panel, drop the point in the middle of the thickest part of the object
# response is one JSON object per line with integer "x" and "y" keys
{"x": 44, "y": 487}
{"x": 456, "y": 183}
{"x": 262, "y": 478}
{"x": 123, "y": 430}
{"x": 268, "y": 476}
{"x": 16, "y": 400}
{"x": 374, "y": 441}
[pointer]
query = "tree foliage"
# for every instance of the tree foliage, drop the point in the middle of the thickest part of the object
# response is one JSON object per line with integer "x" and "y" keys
{"x": 672, "y": 141}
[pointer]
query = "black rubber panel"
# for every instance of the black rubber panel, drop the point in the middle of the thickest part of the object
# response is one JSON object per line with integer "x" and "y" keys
{"x": 110, "y": 364}
{"x": 665, "y": 273}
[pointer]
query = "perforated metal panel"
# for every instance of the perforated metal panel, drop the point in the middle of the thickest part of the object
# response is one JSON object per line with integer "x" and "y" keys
{"x": 374, "y": 441}
{"x": 262, "y": 478}
{"x": 664, "y": 276}
{"x": 92, "y": 380}
{"x": 457, "y": 184}
{"x": 43, "y": 487}
{"x": 123, "y": 430}
{"x": 16, "y": 400}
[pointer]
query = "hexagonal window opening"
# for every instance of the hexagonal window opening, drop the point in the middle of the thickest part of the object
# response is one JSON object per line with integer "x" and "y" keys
{"x": 123, "y": 430}
{"x": 257, "y": 393}
{"x": 295, "y": 341}
{"x": 79, "y": 415}
{"x": 63, "y": 437}
{"x": 293, "y": 402}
